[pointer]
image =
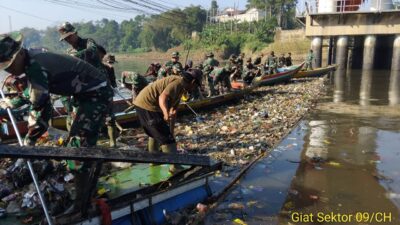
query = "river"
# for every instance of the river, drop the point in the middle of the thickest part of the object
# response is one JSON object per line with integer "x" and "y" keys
{"x": 340, "y": 165}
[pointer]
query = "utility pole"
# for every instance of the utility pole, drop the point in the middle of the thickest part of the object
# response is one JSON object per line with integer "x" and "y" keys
{"x": 9, "y": 22}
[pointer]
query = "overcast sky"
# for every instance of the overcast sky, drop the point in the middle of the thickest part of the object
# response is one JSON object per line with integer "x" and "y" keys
{"x": 40, "y": 14}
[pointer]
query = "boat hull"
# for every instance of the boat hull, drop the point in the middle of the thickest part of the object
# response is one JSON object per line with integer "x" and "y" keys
{"x": 315, "y": 72}
{"x": 279, "y": 77}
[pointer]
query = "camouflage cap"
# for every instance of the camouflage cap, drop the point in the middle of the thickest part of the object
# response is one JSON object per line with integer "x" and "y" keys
{"x": 10, "y": 45}
{"x": 175, "y": 54}
{"x": 177, "y": 68}
{"x": 210, "y": 54}
{"x": 248, "y": 59}
{"x": 111, "y": 58}
{"x": 66, "y": 29}
{"x": 232, "y": 57}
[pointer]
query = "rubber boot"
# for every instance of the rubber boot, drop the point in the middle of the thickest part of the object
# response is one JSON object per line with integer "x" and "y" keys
{"x": 81, "y": 183}
{"x": 112, "y": 135}
{"x": 168, "y": 149}
{"x": 153, "y": 146}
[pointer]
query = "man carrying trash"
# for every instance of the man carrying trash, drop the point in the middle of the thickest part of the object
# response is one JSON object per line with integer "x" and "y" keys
{"x": 156, "y": 107}
{"x": 50, "y": 73}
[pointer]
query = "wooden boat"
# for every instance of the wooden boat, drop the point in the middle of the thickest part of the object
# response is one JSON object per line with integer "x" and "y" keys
{"x": 283, "y": 75}
{"x": 315, "y": 72}
{"x": 140, "y": 194}
{"x": 126, "y": 118}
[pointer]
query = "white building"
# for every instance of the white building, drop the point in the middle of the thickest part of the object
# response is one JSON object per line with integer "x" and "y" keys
{"x": 231, "y": 14}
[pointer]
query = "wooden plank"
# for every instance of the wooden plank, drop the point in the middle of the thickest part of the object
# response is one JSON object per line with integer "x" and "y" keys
{"x": 104, "y": 154}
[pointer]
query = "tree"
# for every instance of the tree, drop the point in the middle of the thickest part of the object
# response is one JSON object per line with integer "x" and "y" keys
{"x": 214, "y": 8}
{"x": 32, "y": 37}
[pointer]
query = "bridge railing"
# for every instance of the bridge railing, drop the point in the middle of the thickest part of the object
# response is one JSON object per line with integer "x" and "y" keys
{"x": 345, "y": 6}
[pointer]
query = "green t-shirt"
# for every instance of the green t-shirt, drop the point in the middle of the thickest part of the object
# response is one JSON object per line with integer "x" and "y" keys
{"x": 148, "y": 97}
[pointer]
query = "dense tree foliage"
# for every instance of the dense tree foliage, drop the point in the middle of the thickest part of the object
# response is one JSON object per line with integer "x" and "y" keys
{"x": 170, "y": 29}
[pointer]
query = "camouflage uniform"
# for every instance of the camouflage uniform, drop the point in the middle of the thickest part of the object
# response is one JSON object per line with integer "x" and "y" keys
{"x": 249, "y": 72}
{"x": 109, "y": 68}
{"x": 137, "y": 81}
{"x": 208, "y": 66}
{"x": 309, "y": 59}
{"x": 59, "y": 74}
{"x": 272, "y": 63}
{"x": 176, "y": 66}
{"x": 87, "y": 50}
{"x": 282, "y": 61}
{"x": 221, "y": 78}
{"x": 163, "y": 72}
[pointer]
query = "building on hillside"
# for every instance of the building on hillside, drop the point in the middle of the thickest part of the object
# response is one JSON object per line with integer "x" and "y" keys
{"x": 231, "y": 14}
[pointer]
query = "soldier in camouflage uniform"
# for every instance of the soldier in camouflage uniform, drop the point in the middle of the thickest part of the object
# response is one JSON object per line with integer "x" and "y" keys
{"x": 87, "y": 50}
{"x": 233, "y": 68}
{"x": 50, "y": 73}
{"x": 282, "y": 61}
{"x": 19, "y": 102}
{"x": 249, "y": 72}
{"x": 174, "y": 63}
{"x": 208, "y": 66}
{"x": 221, "y": 79}
{"x": 134, "y": 81}
{"x": 309, "y": 60}
{"x": 164, "y": 72}
{"x": 272, "y": 63}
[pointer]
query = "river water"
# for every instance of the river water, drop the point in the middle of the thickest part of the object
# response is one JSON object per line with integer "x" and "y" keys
{"x": 340, "y": 165}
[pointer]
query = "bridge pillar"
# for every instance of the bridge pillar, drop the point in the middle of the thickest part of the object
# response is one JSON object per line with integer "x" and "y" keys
{"x": 341, "y": 52}
{"x": 365, "y": 88}
{"x": 369, "y": 52}
{"x": 316, "y": 46}
{"x": 394, "y": 88}
{"x": 396, "y": 53}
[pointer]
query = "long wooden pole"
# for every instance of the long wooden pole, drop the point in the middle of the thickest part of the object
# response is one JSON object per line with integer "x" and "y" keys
{"x": 32, "y": 172}
{"x": 104, "y": 154}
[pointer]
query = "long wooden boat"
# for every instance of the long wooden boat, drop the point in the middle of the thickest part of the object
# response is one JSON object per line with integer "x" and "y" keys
{"x": 283, "y": 75}
{"x": 315, "y": 72}
{"x": 126, "y": 118}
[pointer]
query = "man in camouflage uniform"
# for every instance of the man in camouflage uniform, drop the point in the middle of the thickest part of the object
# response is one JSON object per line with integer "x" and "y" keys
{"x": 240, "y": 60}
{"x": 136, "y": 82}
{"x": 272, "y": 63}
{"x": 164, "y": 72}
{"x": 18, "y": 103}
{"x": 249, "y": 72}
{"x": 50, "y": 73}
{"x": 282, "y": 61}
{"x": 221, "y": 79}
{"x": 309, "y": 60}
{"x": 258, "y": 60}
{"x": 87, "y": 50}
{"x": 233, "y": 68}
{"x": 289, "y": 60}
{"x": 208, "y": 65}
{"x": 108, "y": 61}
{"x": 174, "y": 63}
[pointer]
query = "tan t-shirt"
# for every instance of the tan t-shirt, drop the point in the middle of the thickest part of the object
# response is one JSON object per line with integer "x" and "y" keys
{"x": 148, "y": 97}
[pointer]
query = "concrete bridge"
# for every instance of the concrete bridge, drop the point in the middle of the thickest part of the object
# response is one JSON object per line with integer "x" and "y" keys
{"x": 359, "y": 33}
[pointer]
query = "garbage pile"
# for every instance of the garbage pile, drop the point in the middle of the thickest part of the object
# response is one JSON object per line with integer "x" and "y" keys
{"x": 237, "y": 133}
{"x": 18, "y": 196}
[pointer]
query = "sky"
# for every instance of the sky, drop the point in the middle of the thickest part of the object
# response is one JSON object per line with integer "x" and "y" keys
{"x": 40, "y": 14}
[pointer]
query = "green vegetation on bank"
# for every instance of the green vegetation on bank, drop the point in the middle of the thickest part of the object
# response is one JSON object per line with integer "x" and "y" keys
{"x": 174, "y": 28}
